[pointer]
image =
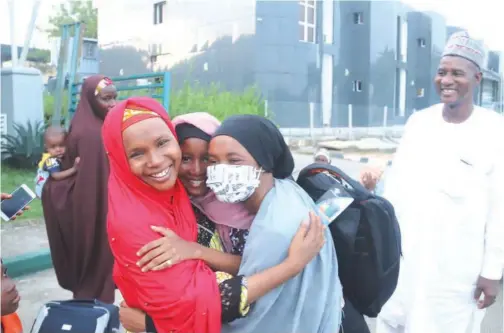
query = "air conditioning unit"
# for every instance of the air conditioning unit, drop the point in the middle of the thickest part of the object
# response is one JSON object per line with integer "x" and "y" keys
{"x": 3, "y": 127}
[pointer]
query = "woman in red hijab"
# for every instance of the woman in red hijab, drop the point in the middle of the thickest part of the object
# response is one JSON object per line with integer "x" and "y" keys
{"x": 144, "y": 191}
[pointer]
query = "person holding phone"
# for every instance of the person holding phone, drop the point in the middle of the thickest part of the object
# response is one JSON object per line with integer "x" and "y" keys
{"x": 6, "y": 196}
{"x": 10, "y": 322}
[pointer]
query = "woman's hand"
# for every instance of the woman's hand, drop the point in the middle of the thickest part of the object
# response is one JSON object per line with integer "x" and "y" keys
{"x": 166, "y": 251}
{"x": 307, "y": 243}
{"x": 133, "y": 320}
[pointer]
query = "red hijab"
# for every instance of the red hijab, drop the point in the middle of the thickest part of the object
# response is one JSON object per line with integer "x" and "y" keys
{"x": 184, "y": 298}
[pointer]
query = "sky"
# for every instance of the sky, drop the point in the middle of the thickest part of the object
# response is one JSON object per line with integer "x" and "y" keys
{"x": 23, "y": 11}
{"x": 481, "y": 17}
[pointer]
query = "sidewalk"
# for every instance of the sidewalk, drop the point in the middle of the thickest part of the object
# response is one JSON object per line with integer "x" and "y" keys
{"x": 366, "y": 145}
{"x": 376, "y": 158}
{"x": 376, "y": 151}
{"x": 25, "y": 248}
{"x": 37, "y": 289}
{"x": 23, "y": 236}
{"x": 29, "y": 236}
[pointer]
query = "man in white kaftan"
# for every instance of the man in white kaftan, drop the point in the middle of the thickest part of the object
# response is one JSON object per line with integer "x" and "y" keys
{"x": 447, "y": 186}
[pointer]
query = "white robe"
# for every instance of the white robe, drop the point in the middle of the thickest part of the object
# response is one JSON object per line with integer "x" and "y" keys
{"x": 447, "y": 186}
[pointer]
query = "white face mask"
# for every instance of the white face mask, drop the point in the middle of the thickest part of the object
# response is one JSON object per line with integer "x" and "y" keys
{"x": 233, "y": 183}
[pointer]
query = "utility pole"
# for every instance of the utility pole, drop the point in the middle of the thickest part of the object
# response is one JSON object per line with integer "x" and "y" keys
{"x": 501, "y": 92}
{"x": 29, "y": 32}
{"x": 14, "y": 48}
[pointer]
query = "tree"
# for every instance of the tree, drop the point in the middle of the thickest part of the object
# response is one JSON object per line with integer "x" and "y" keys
{"x": 74, "y": 11}
{"x": 39, "y": 55}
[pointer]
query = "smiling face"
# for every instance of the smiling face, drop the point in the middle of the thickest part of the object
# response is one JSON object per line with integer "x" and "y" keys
{"x": 456, "y": 79}
{"x": 153, "y": 153}
{"x": 194, "y": 164}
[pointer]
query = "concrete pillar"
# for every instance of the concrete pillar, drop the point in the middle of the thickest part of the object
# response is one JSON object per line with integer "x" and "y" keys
{"x": 22, "y": 96}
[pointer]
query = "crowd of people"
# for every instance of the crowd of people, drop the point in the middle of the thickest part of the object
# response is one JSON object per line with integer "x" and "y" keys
{"x": 200, "y": 227}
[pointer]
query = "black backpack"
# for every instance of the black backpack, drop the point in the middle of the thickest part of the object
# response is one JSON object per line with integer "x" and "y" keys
{"x": 366, "y": 236}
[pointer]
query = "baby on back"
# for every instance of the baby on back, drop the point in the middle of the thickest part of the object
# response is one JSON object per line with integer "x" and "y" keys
{"x": 50, "y": 164}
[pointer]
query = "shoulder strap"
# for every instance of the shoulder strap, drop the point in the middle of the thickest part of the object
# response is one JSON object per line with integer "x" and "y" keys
{"x": 355, "y": 188}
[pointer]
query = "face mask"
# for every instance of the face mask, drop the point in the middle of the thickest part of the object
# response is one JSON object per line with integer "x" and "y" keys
{"x": 233, "y": 183}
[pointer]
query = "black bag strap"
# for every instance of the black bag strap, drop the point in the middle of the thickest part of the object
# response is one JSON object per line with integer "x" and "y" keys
{"x": 86, "y": 301}
{"x": 81, "y": 301}
{"x": 356, "y": 189}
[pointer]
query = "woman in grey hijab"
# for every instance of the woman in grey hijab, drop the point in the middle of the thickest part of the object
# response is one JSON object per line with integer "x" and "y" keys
{"x": 250, "y": 163}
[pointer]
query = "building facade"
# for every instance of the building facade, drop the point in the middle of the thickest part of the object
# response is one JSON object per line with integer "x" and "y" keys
{"x": 427, "y": 38}
{"x": 332, "y": 63}
{"x": 375, "y": 70}
{"x": 89, "y": 61}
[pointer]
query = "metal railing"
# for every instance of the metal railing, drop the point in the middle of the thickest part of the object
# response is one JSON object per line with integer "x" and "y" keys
{"x": 158, "y": 88}
{"x": 67, "y": 66}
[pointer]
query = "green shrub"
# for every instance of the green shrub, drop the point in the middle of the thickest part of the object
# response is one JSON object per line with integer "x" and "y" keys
{"x": 216, "y": 101}
{"x": 49, "y": 106}
{"x": 212, "y": 99}
{"x": 194, "y": 98}
{"x": 24, "y": 149}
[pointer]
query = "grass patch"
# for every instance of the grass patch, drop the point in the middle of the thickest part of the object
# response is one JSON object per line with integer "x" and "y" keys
{"x": 12, "y": 179}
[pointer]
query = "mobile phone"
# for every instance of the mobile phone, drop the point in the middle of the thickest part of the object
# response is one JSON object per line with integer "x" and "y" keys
{"x": 21, "y": 197}
{"x": 333, "y": 202}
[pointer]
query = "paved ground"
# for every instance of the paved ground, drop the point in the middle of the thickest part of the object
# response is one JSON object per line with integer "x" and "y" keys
{"x": 36, "y": 289}
{"x": 41, "y": 287}
{"x": 23, "y": 236}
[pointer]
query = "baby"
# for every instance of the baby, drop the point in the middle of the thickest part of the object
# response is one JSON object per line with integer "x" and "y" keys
{"x": 50, "y": 165}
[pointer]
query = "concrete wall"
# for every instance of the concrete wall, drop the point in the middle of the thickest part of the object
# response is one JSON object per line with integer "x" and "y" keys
{"x": 22, "y": 100}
